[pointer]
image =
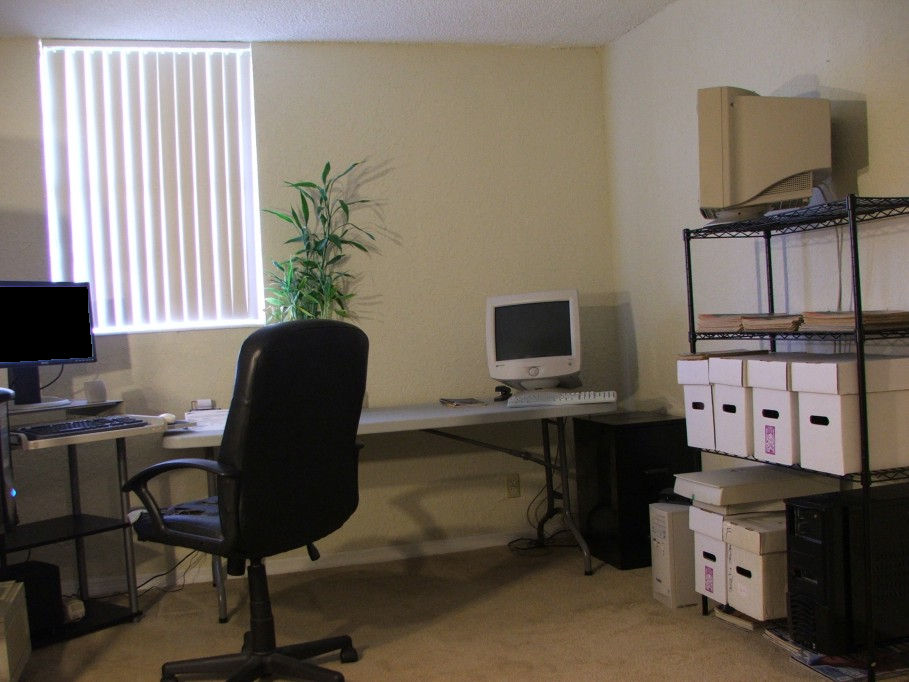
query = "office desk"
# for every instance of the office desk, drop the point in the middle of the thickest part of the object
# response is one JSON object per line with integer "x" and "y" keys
{"x": 432, "y": 418}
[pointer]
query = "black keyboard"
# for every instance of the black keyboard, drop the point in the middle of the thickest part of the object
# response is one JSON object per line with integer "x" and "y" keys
{"x": 78, "y": 426}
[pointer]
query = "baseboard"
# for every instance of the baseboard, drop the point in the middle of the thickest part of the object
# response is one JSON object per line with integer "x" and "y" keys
{"x": 201, "y": 571}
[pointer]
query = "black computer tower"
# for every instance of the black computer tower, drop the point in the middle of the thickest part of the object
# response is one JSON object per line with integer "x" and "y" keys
{"x": 827, "y": 568}
{"x": 623, "y": 462}
{"x": 8, "y": 514}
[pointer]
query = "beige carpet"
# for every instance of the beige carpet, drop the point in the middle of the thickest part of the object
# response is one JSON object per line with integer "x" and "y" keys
{"x": 486, "y": 615}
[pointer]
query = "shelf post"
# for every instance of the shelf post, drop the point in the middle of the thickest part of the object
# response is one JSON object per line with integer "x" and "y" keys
{"x": 768, "y": 264}
{"x": 692, "y": 330}
{"x": 868, "y": 554}
{"x": 76, "y": 504}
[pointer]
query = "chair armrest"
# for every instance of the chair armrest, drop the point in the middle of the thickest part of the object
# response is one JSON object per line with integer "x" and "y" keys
{"x": 140, "y": 479}
{"x": 138, "y": 483}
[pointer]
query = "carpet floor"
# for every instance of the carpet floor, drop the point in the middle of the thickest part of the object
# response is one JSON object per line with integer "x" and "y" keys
{"x": 490, "y": 614}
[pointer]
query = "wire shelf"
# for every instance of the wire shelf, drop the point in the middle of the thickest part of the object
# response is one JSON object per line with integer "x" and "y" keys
{"x": 805, "y": 219}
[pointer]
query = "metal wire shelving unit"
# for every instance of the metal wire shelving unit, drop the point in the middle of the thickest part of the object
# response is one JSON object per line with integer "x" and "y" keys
{"x": 849, "y": 212}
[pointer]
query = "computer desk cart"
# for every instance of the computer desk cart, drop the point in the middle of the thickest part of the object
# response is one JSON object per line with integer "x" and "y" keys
{"x": 78, "y": 525}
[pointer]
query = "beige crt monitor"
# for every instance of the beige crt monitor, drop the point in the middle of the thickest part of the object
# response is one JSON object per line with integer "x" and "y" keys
{"x": 759, "y": 153}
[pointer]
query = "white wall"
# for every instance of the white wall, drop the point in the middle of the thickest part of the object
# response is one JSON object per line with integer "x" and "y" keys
{"x": 851, "y": 52}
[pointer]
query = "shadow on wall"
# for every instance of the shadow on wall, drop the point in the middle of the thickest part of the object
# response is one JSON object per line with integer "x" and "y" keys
{"x": 609, "y": 346}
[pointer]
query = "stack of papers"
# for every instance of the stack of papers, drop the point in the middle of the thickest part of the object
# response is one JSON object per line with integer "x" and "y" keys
{"x": 207, "y": 418}
{"x": 720, "y": 322}
{"x": 833, "y": 321}
{"x": 777, "y": 322}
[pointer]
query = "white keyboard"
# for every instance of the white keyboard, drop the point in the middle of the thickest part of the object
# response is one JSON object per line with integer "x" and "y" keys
{"x": 542, "y": 398}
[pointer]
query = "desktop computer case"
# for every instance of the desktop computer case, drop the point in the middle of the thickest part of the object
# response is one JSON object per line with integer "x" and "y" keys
{"x": 827, "y": 572}
{"x": 624, "y": 462}
{"x": 8, "y": 514}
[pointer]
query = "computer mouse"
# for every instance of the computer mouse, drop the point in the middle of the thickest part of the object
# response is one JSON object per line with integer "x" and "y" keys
{"x": 168, "y": 417}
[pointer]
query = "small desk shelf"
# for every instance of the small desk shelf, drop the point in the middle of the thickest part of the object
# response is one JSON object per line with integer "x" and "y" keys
{"x": 50, "y": 531}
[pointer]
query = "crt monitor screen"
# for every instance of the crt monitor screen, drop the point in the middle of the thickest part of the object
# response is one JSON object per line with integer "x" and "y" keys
{"x": 49, "y": 323}
{"x": 533, "y": 330}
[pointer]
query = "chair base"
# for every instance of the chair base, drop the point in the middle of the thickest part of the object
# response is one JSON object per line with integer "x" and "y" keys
{"x": 284, "y": 661}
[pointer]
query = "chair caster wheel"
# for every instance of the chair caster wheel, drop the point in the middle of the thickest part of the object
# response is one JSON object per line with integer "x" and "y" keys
{"x": 349, "y": 655}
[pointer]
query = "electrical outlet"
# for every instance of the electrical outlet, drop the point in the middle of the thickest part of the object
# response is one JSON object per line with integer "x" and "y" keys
{"x": 513, "y": 485}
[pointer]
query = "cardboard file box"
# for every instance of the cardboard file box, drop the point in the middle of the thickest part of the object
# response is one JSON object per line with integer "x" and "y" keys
{"x": 732, "y": 423}
{"x": 749, "y": 484}
{"x": 776, "y": 425}
{"x": 709, "y": 554}
{"x": 15, "y": 639}
{"x": 829, "y": 438}
{"x": 672, "y": 555}
{"x": 693, "y": 375}
{"x": 756, "y": 565}
{"x": 732, "y": 420}
{"x": 774, "y": 369}
{"x": 728, "y": 370}
{"x": 699, "y": 416}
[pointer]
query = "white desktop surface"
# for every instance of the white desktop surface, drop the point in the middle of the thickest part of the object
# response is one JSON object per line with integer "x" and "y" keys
{"x": 410, "y": 418}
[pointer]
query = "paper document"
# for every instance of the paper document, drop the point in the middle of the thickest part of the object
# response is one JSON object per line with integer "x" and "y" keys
{"x": 207, "y": 418}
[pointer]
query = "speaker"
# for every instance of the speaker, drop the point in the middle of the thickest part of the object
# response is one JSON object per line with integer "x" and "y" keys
{"x": 43, "y": 596}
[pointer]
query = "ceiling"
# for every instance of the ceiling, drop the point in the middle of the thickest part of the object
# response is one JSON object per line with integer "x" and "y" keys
{"x": 503, "y": 22}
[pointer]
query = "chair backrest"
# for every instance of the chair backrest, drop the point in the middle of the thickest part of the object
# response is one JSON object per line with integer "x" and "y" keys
{"x": 291, "y": 432}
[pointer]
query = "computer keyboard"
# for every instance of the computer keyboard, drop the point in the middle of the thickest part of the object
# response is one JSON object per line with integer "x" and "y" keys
{"x": 78, "y": 426}
{"x": 545, "y": 397}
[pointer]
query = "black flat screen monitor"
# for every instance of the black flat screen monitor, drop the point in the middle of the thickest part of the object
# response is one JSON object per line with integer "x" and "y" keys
{"x": 48, "y": 323}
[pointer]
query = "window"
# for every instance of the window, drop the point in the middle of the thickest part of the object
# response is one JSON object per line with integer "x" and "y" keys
{"x": 150, "y": 165}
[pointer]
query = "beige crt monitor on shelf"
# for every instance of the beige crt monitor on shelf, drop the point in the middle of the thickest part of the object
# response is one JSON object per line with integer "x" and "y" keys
{"x": 759, "y": 153}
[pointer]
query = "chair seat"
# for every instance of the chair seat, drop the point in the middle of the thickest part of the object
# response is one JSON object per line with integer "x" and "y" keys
{"x": 197, "y": 517}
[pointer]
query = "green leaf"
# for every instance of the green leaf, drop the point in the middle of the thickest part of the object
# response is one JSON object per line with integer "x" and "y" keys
{"x": 326, "y": 171}
{"x": 282, "y": 216}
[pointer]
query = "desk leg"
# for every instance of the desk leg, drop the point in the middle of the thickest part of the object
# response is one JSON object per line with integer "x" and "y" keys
{"x": 565, "y": 493}
{"x": 128, "y": 551}
{"x": 76, "y": 504}
{"x": 217, "y": 567}
{"x": 566, "y": 499}
{"x": 551, "y": 509}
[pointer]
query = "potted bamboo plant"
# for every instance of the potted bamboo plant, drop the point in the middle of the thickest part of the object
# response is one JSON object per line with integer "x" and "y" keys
{"x": 313, "y": 282}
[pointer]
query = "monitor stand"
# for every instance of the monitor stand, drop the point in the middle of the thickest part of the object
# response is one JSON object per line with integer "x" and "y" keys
{"x": 25, "y": 382}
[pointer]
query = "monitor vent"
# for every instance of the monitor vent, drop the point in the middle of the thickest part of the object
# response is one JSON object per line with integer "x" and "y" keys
{"x": 794, "y": 183}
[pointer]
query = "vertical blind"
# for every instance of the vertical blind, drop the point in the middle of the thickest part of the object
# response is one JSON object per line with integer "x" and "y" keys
{"x": 150, "y": 164}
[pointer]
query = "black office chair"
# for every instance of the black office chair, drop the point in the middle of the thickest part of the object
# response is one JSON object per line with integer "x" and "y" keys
{"x": 286, "y": 477}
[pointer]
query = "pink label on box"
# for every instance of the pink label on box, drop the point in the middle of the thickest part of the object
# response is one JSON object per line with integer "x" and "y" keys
{"x": 769, "y": 439}
{"x": 708, "y": 578}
